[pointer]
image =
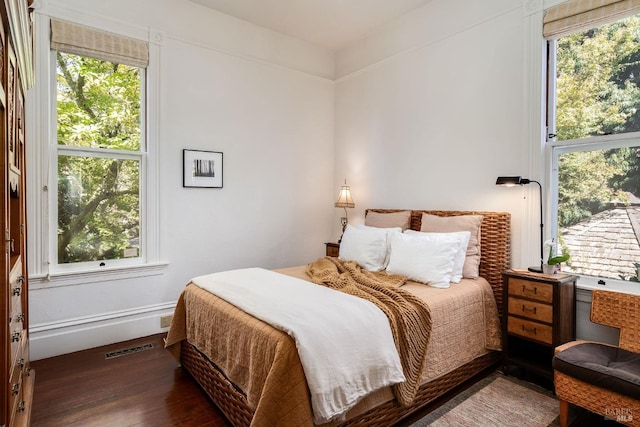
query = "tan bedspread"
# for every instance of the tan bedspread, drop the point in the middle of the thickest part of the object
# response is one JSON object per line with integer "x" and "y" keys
{"x": 264, "y": 362}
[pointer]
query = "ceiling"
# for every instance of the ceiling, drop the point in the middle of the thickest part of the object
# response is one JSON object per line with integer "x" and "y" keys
{"x": 333, "y": 24}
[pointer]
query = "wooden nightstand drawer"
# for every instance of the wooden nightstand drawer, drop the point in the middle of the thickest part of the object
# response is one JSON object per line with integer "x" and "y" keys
{"x": 530, "y": 330}
{"x": 531, "y": 310}
{"x": 530, "y": 289}
{"x": 333, "y": 249}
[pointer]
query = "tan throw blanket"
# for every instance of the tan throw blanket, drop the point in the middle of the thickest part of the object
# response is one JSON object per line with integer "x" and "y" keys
{"x": 409, "y": 317}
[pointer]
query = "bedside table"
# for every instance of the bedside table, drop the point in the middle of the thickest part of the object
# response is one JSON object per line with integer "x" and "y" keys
{"x": 539, "y": 314}
{"x": 333, "y": 249}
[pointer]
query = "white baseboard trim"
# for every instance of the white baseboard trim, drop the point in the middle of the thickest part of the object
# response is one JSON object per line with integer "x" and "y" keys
{"x": 66, "y": 336}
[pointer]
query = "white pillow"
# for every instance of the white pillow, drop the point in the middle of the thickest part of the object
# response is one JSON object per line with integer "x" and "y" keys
{"x": 463, "y": 238}
{"x": 368, "y": 246}
{"x": 471, "y": 223}
{"x": 426, "y": 259}
{"x": 389, "y": 230}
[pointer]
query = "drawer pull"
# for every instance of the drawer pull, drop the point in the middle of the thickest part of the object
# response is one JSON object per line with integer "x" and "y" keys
{"x": 21, "y": 406}
{"x": 525, "y": 329}
{"x": 21, "y": 363}
{"x": 532, "y": 310}
{"x": 20, "y": 318}
{"x": 21, "y": 278}
{"x": 525, "y": 289}
{"x": 17, "y": 291}
{"x": 15, "y": 388}
{"x": 15, "y": 337}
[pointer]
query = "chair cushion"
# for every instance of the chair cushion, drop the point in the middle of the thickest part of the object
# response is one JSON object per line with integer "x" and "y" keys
{"x": 604, "y": 366}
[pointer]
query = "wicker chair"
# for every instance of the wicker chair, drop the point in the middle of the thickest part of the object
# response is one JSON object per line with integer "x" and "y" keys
{"x": 611, "y": 309}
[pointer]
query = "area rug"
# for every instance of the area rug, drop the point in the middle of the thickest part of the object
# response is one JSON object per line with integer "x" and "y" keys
{"x": 495, "y": 401}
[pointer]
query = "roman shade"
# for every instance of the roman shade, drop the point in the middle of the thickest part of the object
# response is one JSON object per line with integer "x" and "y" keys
{"x": 579, "y": 15}
{"x": 80, "y": 40}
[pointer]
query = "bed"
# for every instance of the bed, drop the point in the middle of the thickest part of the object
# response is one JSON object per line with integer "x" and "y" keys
{"x": 278, "y": 395}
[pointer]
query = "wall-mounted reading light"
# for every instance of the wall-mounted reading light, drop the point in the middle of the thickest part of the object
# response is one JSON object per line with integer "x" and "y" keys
{"x": 344, "y": 201}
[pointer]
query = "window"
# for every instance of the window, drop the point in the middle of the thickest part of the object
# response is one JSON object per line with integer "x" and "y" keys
{"x": 100, "y": 152}
{"x": 99, "y": 159}
{"x": 594, "y": 135}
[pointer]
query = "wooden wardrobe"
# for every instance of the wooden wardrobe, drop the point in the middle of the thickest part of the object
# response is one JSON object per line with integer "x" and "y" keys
{"x": 16, "y": 76}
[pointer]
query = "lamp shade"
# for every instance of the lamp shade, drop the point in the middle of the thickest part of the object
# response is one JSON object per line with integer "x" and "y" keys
{"x": 510, "y": 181}
{"x": 344, "y": 198}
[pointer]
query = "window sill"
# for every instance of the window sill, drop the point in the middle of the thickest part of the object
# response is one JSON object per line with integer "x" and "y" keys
{"x": 591, "y": 283}
{"x": 55, "y": 280}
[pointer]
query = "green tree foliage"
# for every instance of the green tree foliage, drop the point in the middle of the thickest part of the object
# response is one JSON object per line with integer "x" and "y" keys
{"x": 598, "y": 93}
{"x": 98, "y": 106}
{"x": 584, "y": 189}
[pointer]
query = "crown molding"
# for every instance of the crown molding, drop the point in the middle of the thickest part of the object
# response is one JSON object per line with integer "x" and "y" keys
{"x": 531, "y": 7}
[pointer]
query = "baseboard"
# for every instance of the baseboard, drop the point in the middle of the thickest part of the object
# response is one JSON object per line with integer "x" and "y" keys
{"x": 56, "y": 338}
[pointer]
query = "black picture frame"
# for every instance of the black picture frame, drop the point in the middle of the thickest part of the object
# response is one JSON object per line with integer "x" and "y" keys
{"x": 202, "y": 169}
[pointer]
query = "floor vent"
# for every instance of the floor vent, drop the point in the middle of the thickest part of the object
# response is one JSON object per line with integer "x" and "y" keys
{"x": 125, "y": 351}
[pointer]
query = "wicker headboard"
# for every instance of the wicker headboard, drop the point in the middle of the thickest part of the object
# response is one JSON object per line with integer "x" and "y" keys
{"x": 495, "y": 242}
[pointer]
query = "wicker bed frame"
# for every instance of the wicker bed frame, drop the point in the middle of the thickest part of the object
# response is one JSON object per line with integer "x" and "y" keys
{"x": 495, "y": 257}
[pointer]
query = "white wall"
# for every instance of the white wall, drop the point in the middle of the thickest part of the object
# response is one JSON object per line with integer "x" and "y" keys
{"x": 259, "y": 97}
{"x": 424, "y": 113}
{"x": 435, "y": 105}
{"x": 430, "y": 111}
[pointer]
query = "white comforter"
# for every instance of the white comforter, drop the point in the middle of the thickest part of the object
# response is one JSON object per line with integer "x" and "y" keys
{"x": 344, "y": 342}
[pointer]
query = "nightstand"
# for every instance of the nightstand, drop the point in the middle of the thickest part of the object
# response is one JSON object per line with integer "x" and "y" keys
{"x": 333, "y": 249}
{"x": 539, "y": 314}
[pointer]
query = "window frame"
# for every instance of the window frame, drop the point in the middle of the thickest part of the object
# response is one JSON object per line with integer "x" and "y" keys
{"x": 591, "y": 143}
{"x": 42, "y": 148}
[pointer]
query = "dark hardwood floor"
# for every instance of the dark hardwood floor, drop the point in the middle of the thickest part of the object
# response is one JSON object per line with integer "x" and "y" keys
{"x": 145, "y": 388}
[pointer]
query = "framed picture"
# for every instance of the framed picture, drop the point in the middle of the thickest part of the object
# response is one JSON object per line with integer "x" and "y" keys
{"x": 201, "y": 169}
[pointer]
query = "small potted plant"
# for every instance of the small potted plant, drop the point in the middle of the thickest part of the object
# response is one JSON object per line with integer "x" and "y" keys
{"x": 635, "y": 278}
{"x": 553, "y": 261}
